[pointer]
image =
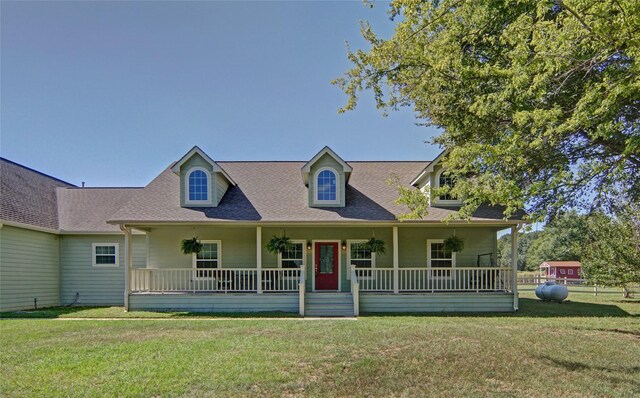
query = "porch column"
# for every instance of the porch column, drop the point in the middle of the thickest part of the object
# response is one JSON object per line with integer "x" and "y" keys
{"x": 396, "y": 271}
{"x": 259, "y": 257}
{"x": 514, "y": 265}
{"x": 127, "y": 265}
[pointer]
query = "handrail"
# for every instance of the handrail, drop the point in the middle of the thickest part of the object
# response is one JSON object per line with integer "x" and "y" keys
{"x": 214, "y": 279}
{"x": 435, "y": 279}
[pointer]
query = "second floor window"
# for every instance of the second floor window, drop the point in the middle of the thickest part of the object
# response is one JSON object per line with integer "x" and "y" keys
{"x": 446, "y": 181}
{"x": 198, "y": 185}
{"x": 327, "y": 186}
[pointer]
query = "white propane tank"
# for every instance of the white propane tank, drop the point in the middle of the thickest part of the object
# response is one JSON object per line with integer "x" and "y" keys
{"x": 551, "y": 291}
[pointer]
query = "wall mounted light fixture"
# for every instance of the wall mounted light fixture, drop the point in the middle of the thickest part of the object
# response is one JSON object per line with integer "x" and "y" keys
{"x": 344, "y": 245}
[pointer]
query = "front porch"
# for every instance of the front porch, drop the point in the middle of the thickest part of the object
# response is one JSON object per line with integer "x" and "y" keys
{"x": 241, "y": 276}
{"x": 371, "y": 290}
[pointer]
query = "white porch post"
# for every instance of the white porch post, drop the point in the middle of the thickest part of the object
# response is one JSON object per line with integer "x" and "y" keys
{"x": 127, "y": 265}
{"x": 514, "y": 265}
{"x": 259, "y": 257}
{"x": 396, "y": 271}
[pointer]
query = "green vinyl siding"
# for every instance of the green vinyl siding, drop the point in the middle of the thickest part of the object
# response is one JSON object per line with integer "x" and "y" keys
{"x": 221, "y": 187}
{"x": 29, "y": 268}
{"x": 95, "y": 285}
{"x": 238, "y": 245}
{"x": 413, "y": 244}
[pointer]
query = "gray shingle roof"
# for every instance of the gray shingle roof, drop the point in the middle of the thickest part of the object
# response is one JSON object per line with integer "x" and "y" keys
{"x": 274, "y": 192}
{"x": 88, "y": 209}
{"x": 28, "y": 196}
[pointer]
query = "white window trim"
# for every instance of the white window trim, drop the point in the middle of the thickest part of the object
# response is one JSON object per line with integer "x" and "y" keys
{"x": 453, "y": 256}
{"x": 93, "y": 254}
{"x": 436, "y": 199}
{"x": 194, "y": 258}
{"x": 373, "y": 258}
{"x": 186, "y": 187}
{"x": 338, "y": 187}
{"x": 304, "y": 254}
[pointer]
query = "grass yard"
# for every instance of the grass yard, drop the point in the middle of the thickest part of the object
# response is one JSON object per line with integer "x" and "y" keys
{"x": 586, "y": 347}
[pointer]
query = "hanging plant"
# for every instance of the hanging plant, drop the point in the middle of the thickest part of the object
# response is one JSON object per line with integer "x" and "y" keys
{"x": 279, "y": 244}
{"x": 375, "y": 246}
{"x": 453, "y": 244}
{"x": 192, "y": 245}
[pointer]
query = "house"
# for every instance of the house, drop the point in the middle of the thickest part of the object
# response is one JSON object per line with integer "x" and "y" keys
{"x": 65, "y": 245}
{"x": 561, "y": 269}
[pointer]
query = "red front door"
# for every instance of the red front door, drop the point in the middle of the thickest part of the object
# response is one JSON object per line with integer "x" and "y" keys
{"x": 326, "y": 265}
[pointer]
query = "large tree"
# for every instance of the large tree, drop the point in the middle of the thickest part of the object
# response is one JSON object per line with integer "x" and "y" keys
{"x": 612, "y": 250}
{"x": 539, "y": 101}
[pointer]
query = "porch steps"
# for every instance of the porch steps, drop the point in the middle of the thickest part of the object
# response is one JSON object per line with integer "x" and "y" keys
{"x": 328, "y": 304}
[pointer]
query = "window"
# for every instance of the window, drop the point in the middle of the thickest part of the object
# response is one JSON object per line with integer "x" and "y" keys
{"x": 294, "y": 257}
{"x": 360, "y": 256}
{"x": 445, "y": 181}
{"x": 437, "y": 258}
{"x": 327, "y": 186}
{"x": 209, "y": 257}
{"x": 197, "y": 185}
{"x": 561, "y": 271}
{"x": 105, "y": 254}
{"x": 570, "y": 272}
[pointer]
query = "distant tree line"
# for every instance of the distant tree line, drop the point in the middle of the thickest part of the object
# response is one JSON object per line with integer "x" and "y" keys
{"x": 607, "y": 245}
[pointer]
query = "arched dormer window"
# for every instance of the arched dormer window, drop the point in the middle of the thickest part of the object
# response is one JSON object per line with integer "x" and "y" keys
{"x": 445, "y": 180}
{"x": 197, "y": 184}
{"x": 327, "y": 186}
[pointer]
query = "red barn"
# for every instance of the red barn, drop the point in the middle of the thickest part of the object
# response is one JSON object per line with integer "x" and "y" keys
{"x": 561, "y": 269}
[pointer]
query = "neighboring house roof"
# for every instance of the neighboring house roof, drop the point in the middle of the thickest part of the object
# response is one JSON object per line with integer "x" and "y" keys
{"x": 560, "y": 264}
{"x": 273, "y": 192}
{"x": 28, "y": 196}
{"x": 88, "y": 209}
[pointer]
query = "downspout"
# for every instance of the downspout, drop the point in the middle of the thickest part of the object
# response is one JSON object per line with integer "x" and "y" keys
{"x": 127, "y": 264}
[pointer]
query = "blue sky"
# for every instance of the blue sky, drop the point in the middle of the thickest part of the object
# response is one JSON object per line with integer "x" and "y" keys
{"x": 111, "y": 92}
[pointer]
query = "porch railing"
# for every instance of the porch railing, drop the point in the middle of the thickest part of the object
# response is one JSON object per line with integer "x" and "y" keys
{"x": 162, "y": 280}
{"x": 469, "y": 279}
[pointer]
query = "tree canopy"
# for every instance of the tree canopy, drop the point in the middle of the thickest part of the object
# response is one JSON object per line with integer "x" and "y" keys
{"x": 612, "y": 251}
{"x": 562, "y": 239}
{"x": 538, "y": 100}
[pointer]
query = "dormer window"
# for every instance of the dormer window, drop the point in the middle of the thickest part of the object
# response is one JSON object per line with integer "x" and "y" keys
{"x": 446, "y": 181}
{"x": 327, "y": 186}
{"x": 198, "y": 182}
{"x": 326, "y": 175}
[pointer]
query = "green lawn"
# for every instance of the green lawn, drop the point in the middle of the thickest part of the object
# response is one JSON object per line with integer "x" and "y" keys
{"x": 586, "y": 347}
